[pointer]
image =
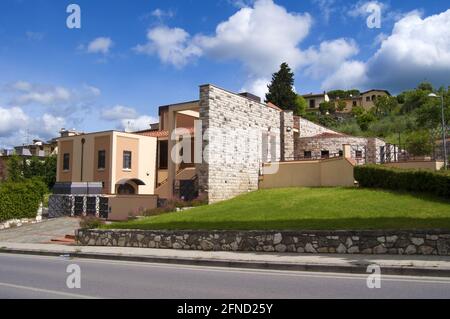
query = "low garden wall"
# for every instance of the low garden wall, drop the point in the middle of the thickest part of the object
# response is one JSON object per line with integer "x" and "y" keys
{"x": 430, "y": 242}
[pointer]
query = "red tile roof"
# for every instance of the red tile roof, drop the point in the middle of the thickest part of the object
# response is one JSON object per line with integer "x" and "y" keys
{"x": 153, "y": 133}
{"x": 328, "y": 135}
{"x": 273, "y": 106}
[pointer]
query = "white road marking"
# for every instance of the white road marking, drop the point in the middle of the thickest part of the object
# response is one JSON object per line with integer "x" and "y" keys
{"x": 288, "y": 273}
{"x": 54, "y": 292}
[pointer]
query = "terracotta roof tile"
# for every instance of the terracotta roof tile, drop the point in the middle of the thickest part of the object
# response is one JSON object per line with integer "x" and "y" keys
{"x": 153, "y": 133}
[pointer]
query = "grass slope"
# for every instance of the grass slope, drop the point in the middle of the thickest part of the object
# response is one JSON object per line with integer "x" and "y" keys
{"x": 308, "y": 208}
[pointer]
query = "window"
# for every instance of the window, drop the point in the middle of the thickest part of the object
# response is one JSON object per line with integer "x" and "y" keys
{"x": 358, "y": 154}
{"x": 307, "y": 154}
{"x": 312, "y": 104}
{"x": 368, "y": 99}
{"x": 341, "y": 153}
{"x": 163, "y": 154}
{"x": 373, "y": 97}
{"x": 66, "y": 162}
{"x": 126, "y": 160}
{"x": 325, "y": 154}
{"x": 354, "y": 103}
{"x": 101, "y": 161}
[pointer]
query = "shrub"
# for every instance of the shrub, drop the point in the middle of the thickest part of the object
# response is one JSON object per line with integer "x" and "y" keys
{"x": 21, "y": 199}
{"x": 375, "y": 176}
{"x": 91, "y": 222}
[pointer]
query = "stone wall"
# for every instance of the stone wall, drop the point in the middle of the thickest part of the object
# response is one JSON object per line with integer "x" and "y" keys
{"x": 287, "y": 135}
{"x": 234, "y": 128}
{"x": 308, "y": 128}
{"x": 431, "y": 242}
{"x": 12, "y": 223}
{"x": 333, "y": 144}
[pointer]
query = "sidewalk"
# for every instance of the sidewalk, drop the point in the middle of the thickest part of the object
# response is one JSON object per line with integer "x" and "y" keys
{"x": 395, "y": 265}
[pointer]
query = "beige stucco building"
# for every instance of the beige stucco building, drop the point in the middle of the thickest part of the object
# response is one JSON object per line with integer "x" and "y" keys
{"x": 365, "y": 99}
{"x": 124, "y": 163}
{"x": 219, "y": 146}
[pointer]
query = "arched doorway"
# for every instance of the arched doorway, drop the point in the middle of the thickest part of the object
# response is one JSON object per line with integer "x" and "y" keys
{"x": 128, "y": 186}
{"x": 126, "y": 189}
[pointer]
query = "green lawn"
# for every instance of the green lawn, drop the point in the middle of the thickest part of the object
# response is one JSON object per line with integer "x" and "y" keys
{"x": 308, "y": 208}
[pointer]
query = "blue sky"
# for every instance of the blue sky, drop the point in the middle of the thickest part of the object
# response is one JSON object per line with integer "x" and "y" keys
{"x": 129, "y": 57}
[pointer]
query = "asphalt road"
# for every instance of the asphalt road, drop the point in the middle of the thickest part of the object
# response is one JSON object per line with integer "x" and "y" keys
{"x": 24, "y": 276}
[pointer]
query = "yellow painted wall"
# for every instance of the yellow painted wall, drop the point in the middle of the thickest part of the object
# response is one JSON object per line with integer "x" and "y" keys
{"x": 332, "y": 172}
{"x": 124, "y": 206}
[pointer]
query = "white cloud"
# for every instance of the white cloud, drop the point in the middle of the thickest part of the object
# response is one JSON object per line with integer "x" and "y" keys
{"x": 330, "y": 55}
{"x": 47, "y": 126}
{"x": 100, "y": 45}
{"x": 257, "y": 86}
{"x": 360, "y": 8}
{"x": 12, "y": 120}
{"x": 118, "y": 112}
{"x": 261, "y": 38}
{"x": 327, "y": 8}
{"x": 417, "y": 49}
{"x": 137, "y": 124}
{"x": 160, "y": 14}
{"x": 26, "y": 93}
{"x": 42, "y": 95}
{"x": 173, "y": 46}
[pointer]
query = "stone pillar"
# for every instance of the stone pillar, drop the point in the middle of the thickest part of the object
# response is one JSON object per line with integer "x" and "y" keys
{"x": 287, "y": 135}
{"x": 171, "y": 167}
{"x": 347, "y": 150}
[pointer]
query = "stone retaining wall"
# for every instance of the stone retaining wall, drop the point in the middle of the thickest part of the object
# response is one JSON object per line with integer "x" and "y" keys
{"x": 432, "y": 242}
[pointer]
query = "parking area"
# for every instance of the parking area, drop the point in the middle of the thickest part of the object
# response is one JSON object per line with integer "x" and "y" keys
{"x": 42, "y": 232}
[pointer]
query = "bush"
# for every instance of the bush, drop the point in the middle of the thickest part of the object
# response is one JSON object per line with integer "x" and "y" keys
{"x": 91, "y": 222}
{"x": 21, "y": 199}
{"x": 375, "y": 176}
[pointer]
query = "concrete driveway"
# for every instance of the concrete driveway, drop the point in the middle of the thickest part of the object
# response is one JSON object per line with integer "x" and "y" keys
{"x": 42, "y": 232}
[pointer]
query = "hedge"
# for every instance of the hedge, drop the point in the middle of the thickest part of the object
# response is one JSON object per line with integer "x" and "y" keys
{"x": 21, "y": 199}
{"x": 422, "y": 181}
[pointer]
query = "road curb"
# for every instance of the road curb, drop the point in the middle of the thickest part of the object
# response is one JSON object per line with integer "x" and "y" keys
{"x": 333, "y": 268}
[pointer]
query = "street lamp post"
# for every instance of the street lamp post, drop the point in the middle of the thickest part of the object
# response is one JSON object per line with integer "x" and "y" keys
{"x": 444, "y": 127}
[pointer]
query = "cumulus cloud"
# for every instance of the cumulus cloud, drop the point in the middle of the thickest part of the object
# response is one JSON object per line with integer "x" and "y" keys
{"x": 12, "y": 120}
{"x": 137, "y": 124}
{"x": 26, "y": 93}
{"x": 329, "y": 56}
{"x": 100, "y": 45}
{"x": 118, "y": 112}
{"x": 417, "y": 49}
{"x": 252, "y": 36}
{"x": 172, "y": 45}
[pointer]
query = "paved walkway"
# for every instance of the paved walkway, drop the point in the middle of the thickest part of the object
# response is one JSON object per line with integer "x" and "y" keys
{"x": 407, "y": 265}
{"x": 40, "y": 232}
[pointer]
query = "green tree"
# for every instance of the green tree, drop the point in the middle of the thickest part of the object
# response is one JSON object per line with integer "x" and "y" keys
{"x": 419, "y": 143}
{"x": 365, "y": 119}
{"x": 341, "y": 105}
{"x": 425, "y": 86}
{"x": 327, "y": 108}
{"x": 357, "y": 111}
{"x": 385, "y": 105}
{"x": 300, "y": 106}
{"x": 281, "y": 91}
{"x": 15, "y": 168}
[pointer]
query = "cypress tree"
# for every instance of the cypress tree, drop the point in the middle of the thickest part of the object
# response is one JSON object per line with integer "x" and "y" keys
{"x": 281, "y": 91}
